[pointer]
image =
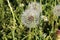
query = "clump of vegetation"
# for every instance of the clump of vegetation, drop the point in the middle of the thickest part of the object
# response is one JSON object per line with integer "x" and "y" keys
{"x": 47, "y": 19}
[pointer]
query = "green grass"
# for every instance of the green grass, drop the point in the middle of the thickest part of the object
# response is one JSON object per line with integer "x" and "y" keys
{"x": 11, "y": 27}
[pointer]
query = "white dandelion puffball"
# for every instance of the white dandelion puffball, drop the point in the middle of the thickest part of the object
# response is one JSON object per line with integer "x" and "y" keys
{"x": 35, "y": 6}
{"x": 30, "y": 18}
{"x": 56, "y": 10}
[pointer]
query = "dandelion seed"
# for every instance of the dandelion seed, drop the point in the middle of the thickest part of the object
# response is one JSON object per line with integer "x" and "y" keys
{"x": 56, "y": 10}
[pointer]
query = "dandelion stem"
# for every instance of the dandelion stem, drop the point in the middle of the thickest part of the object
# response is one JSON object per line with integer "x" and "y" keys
{"x": 41, "y": 6}
{"x": 55, "y": 2}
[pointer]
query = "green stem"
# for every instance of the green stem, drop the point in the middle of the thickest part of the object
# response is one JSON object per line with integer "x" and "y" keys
{"x": 13, "y": 34}
{"x": 55, "y": 2}
{"x": 41, "y": 6}
{"x": 34, "y": 0}
{"x": 13, "y": 19}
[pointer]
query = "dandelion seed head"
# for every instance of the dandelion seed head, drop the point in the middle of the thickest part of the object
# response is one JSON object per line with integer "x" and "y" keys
{"x": 30, "y": 18}
{"x": 56, "y": 10}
